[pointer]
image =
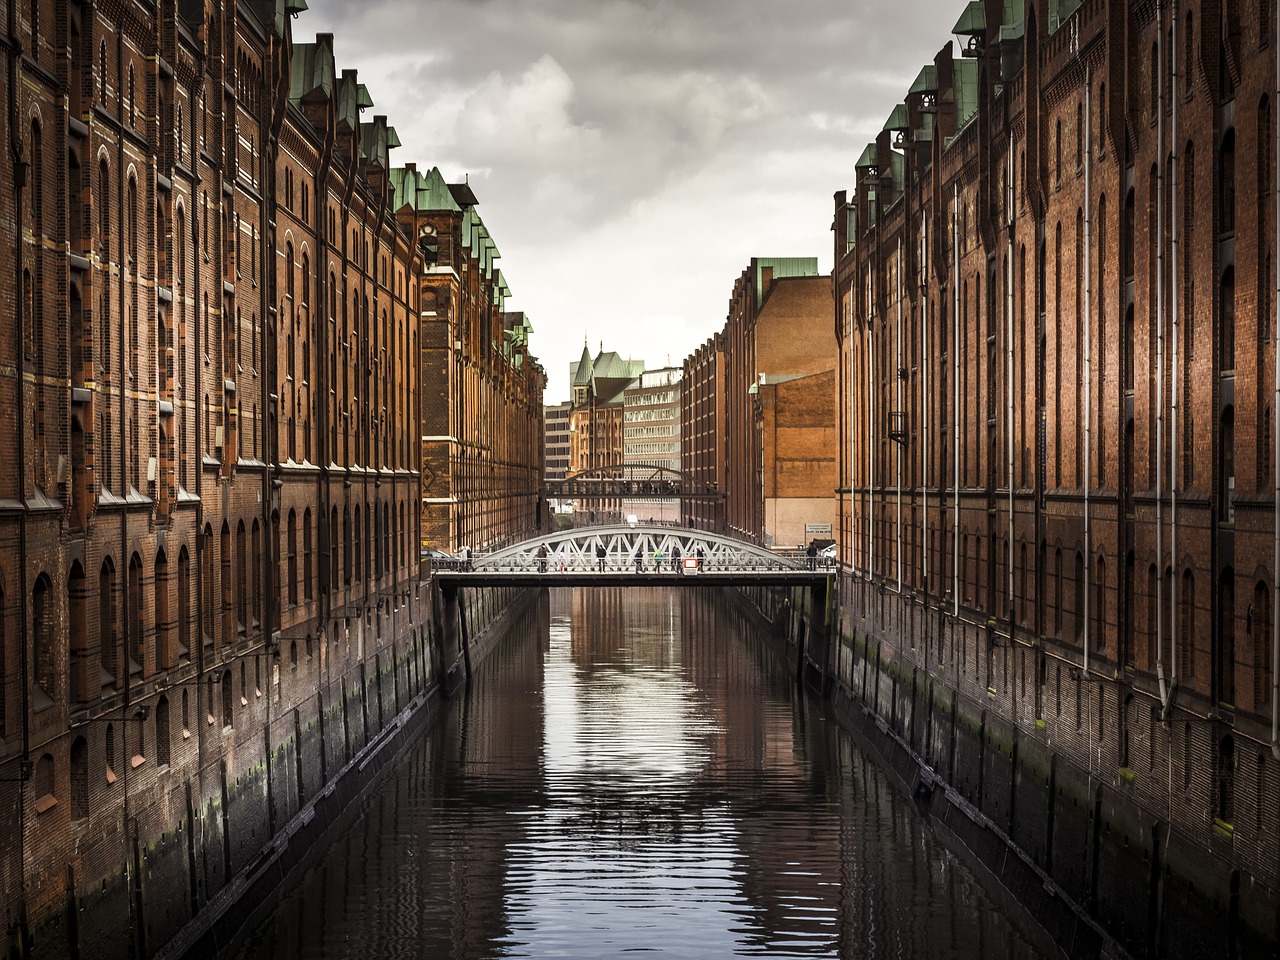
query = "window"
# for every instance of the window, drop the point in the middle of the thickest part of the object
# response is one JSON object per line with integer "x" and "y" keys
{"x": 1259, "y": 627}
{"x": 162, "y": 731}
{"x": 43, "y": 654}
{"x": 293, "y": 557}
{"x": 79, "y": 779}
{"x": 1226, "y": 659}
{"x": 306, "y": 555}
{"x": 1186, "y": 626}
{"x": 1228, "y": 183}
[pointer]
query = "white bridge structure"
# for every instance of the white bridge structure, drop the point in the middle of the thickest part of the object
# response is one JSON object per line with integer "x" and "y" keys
{"x": 633, "y": 556}
{"x": 655, "y": 547}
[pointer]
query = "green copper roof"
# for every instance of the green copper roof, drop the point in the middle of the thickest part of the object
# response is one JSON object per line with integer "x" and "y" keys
{"x": 926, "y": 80}
{"x": 582, "y": 369}
{"x": 348, "y": 109}
{"x": 295, "y": 6}
{"x": 966, "y": 90}
{"x": 782, "y": 267}
{"x": 393, "y": 139}
{"x": 972, "y": 21}
{"x": 899, "y": 119}
{"x": 434, "y": 193}
{"x": 867, "y": 159}
{"x": 311, "y": 70}
{"x": 373, "y": 142}
{"x": 364, "y": 100}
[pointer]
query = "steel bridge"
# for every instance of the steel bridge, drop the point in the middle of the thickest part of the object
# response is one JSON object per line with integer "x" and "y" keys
{"x": 624, "y": 555}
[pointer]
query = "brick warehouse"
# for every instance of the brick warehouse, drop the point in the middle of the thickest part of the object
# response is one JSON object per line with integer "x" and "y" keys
{"x": 209, "y": 588}
{"x": 744, "y": 436}
{"x": 482, "y": 428}
{"x": 1058, "y": 512}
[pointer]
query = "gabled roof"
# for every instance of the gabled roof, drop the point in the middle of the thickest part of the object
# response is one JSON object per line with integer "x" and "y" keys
{"x": 311, "y": 71}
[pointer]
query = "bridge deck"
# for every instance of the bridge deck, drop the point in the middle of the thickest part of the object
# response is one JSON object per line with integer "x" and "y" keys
{"x": 649, "y": 577}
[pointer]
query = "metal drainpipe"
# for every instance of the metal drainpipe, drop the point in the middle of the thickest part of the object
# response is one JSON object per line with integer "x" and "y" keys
{"x": 871, "y": 435}
{"x": 898, "y": 389}
{"x": 1173, "y": 345}
{"x": 924, "y": 404}
{"x": 955, "y": 409}
{"x": 20, "y": 168}
{"x": 1088, "y": 365}
{"x": 1008, "y": 296}
{"x": 1275, "y": 459}
{"x": 1166, "y": 683}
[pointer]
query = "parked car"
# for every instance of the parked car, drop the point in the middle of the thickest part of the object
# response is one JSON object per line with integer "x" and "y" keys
{"x": 828, "y": 552}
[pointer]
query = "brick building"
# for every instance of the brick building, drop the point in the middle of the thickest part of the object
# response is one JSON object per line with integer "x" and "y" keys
{"x": 556, "y": 431}
{"x": 651, "y": 435}
{"x": 778, "y": 329}
{"x": 702, "y": 432}
{"x": 482, "y": 431}
{"x": 1057, "y": 410}
{"x": 209, "y": 516}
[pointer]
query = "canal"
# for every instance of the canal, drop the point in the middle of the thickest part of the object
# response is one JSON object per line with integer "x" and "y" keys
{"x": 634, "y": 772}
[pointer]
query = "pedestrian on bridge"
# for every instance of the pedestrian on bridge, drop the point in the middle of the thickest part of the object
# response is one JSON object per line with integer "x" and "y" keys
{"x": 700, "y": 560}
{"x": 639, "y": 559}
{"x": 560, "y": 562}
{"x": 657, "y": 560}
{"x": 812, "y": 554}
{"x": 542, "y": 558}
{"x": 675, "y": 559}
{"x": 600, "y": 555}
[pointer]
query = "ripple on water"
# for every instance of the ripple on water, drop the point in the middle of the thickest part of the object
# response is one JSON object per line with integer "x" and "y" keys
{"x": 633, "y": 775}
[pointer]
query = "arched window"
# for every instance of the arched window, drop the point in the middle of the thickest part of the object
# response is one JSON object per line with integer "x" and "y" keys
{"x": 79, "y": 779}
{"x": 228, "y": 587}
{"x": 1186, "y": 626}
{"x": 1099, "y": 604}
{"x": 162, "y": 731}
{"x": 333, "y": 548}
{"x": 107, "y": 627}
{"x": 1227, "y": 183}
{"x": 307, "y": 565}
{"x": 1226, "y": 775}
{"x": 1227, "y": 467}
{"x": 242, "y": 580}
{"x": 1260, "y": 634}
{"x": 44, "y": 656}
{"x": 1188, "y": 52}
{"x": 137, "y": 641}
{"x": 184, "y": 603}
{"x": 1227, "y": 320}
{"x": 206, "y": 575}
{"x": 293, "y": 557}
{"x": 227, "y": 715}
{"x": 77, "y": 601}
{"x": 164, "y": 629}
{"x": 1078, "y": 610}
{"x": 1226, "y": 659}
{"x": 255, "y": 582}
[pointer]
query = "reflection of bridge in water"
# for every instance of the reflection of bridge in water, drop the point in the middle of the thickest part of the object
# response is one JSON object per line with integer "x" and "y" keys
{"x": 626, "y": 555}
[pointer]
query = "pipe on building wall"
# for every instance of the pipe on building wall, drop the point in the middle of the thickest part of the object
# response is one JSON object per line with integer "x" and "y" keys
{"x": 1009, "y": 307}
{"x": 1173, "y": 345}
{"x": 1088, "y": 366}
{"x": 955, "y": 409}
{"x": 924, "y": 404}
{"x": 870, "y": 363}
{"x": 1275, "y": 419}
{"x": 898, "y": 389}
{"x": 17, "y": 154}
{"x": 1166, "y": 682}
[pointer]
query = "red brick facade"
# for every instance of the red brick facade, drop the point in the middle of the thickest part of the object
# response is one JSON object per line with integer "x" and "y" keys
{"x": 778, "y": 326}
{"x": 1057, "y": 323}
{"x": 209, "y": 511}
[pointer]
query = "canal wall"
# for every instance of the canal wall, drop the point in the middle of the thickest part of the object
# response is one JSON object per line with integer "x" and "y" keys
{"x": 1008, "y": 754}
{"x": 312, "y": 726}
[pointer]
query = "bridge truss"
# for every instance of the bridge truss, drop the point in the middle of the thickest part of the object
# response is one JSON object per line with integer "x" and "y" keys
{"x": 623, "y": 544}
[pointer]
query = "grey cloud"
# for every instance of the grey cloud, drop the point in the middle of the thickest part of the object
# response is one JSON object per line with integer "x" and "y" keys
{"x": 632, "y": 137}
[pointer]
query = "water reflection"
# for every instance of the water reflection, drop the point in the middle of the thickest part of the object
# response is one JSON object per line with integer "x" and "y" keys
{"x": 633, "y": 773}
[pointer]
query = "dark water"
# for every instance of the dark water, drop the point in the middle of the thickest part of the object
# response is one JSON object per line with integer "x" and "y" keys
{"x": 634, "y": 775}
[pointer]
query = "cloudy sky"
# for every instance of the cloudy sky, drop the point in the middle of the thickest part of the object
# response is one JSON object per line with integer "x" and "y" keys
{"x": 631, "y": 156}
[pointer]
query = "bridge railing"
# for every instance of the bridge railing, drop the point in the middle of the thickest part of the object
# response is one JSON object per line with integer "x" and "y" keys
{"x": 785, "y": 562}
